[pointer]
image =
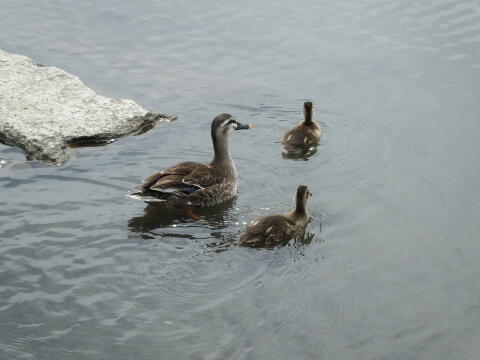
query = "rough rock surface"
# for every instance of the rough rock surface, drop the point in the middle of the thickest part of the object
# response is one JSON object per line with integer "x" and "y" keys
{"x": 43, "y": 110}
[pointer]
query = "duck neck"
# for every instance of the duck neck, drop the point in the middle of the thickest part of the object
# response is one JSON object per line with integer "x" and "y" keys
{"x": 308, "y": 116}
{"x": 220, "y": 148}
{"x": 300, "y": 208}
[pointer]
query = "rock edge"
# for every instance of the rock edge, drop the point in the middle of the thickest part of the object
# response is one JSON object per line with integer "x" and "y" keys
{"x": 44, "y": 110}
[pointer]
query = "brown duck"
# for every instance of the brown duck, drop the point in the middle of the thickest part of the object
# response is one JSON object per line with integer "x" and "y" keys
{"x": 197, "y": 184}
{"x": 269, "y": 231}
{"x": 304, "y": 137}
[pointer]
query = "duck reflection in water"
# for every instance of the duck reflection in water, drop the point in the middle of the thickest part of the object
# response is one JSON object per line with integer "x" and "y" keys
{"x": 215, "y": 218}
{"x": 300, "y": 156}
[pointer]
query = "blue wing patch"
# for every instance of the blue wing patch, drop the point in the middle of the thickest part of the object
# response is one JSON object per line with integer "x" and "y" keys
{"x": 189, "y": 191}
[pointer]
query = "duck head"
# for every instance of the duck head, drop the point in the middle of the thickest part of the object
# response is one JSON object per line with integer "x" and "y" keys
{"x": 222, "y": 126}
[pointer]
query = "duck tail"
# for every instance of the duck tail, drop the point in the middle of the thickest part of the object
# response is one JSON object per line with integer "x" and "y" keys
{"x": 145, "y": 197}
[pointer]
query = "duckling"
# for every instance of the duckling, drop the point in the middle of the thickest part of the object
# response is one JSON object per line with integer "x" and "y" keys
{"x": 304, "y": 137}
{"x": 197, "y": 184}
{"x": 272, "y": 230}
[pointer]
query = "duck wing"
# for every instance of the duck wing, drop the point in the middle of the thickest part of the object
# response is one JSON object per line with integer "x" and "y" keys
{"x": 186, "y": 177}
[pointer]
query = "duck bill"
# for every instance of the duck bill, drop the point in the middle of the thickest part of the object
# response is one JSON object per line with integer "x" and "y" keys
{"x": 241, "y": 126}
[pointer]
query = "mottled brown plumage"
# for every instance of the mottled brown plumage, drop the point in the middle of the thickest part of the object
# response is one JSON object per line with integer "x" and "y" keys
{"x": 304, "y": 137}
{"x": 197, "y": 184}
{"x": 269, "y": 231}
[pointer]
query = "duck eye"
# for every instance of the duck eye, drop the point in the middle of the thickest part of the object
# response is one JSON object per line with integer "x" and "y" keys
{"x": 231, "y": 121}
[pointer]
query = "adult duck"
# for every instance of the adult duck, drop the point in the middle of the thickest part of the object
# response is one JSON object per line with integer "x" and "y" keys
{"x": 190, "y": 184}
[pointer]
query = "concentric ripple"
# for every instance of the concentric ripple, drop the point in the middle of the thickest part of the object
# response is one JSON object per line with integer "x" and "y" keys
{"x": 88, "y": 273}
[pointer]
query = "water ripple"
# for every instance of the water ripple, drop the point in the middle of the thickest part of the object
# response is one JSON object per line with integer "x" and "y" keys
{"x": 88, "y": 273}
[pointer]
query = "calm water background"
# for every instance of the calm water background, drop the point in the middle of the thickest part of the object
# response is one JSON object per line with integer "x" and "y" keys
{"x": 392, "y": 270}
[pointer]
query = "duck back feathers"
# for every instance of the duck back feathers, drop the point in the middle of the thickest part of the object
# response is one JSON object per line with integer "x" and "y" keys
{"x": 269, "y": 231}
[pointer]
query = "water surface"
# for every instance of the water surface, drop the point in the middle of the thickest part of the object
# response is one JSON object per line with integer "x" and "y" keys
{"x": 392, "y": 270}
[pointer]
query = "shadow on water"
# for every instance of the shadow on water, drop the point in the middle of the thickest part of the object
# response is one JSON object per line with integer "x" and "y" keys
{"x": 156, "y": 216}
{"x": 223, "y": 241}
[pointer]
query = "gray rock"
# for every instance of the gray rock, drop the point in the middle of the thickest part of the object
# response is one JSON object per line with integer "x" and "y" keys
{"x": 43, "y": 110}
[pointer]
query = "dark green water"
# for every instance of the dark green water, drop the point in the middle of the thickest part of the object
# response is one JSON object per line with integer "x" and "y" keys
{"x": 392, "y": 270}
